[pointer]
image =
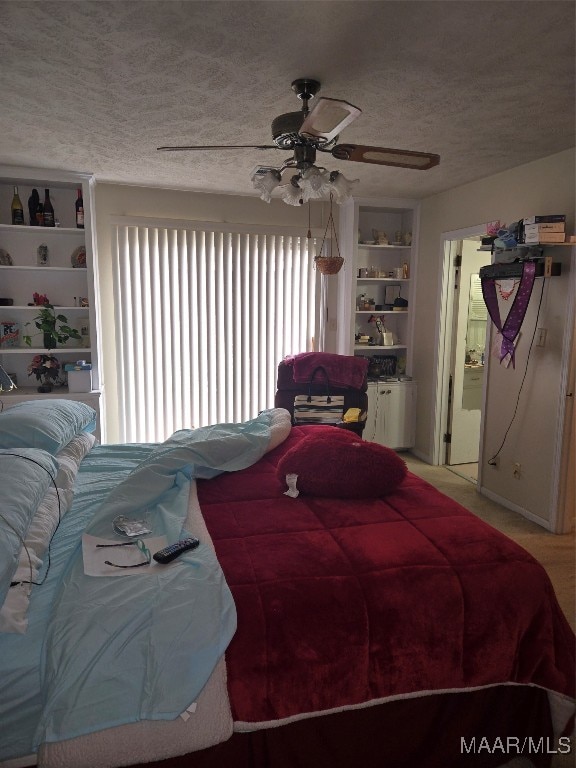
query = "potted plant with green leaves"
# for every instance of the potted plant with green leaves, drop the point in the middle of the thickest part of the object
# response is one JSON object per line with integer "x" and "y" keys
{"x": 54, "y": 327}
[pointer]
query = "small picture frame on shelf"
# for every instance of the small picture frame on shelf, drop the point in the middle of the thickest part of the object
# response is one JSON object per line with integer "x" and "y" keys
{"x": 84, "y": 328}
{"x": 78, "y": 257}
{"x": 42, "y": 255}
{"x": 9, "y": 334}
{"x": 5, "y": 259}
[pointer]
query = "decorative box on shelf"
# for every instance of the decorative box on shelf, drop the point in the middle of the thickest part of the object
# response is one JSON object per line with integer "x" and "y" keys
{"x": 79, "y": 376}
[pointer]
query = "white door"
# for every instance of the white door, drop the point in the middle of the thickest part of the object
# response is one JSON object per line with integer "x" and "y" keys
{"x": 467, "y": 369}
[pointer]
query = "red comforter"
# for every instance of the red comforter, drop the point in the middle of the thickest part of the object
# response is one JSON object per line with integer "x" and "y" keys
{"x": 341, "y": 603}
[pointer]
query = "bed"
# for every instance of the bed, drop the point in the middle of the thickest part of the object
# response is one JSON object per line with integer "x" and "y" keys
{"x": 339, "y": 610}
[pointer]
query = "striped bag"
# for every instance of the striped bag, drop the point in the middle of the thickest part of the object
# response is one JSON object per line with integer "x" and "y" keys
{"x": 318, "y": 409}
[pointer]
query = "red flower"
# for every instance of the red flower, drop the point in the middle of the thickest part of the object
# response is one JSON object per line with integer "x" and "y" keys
{"x": 44, "y": 367}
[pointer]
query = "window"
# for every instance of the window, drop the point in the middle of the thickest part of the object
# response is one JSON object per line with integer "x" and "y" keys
{"x": 203, "y": 317}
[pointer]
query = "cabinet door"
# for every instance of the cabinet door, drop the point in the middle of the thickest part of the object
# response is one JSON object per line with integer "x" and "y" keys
{"x": 391, "y": 414}
{"x": 369, "y": 432}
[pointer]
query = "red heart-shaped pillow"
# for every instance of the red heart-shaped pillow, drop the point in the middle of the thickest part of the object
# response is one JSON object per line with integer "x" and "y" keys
{"x": 338, "y": 464}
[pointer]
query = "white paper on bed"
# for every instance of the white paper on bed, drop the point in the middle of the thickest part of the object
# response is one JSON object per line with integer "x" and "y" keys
{"x": 95, "y": 552}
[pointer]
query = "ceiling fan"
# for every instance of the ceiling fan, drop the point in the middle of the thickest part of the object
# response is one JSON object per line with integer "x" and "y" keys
{"x": 309, "y": 131}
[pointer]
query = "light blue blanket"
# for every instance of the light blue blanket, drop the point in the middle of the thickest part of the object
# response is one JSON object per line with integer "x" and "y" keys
{"x": 119, "y": 650}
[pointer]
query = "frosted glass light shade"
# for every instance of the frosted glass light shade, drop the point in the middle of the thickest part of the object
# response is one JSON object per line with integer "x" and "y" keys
{"x": 341, "y": 186}
{"x": 293, "y": 194}
{"x": 315, "y": 182}
{"x": 266, "y": 183}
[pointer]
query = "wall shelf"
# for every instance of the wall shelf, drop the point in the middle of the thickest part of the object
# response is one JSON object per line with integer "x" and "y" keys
{"x": 360, "y": 222}
{"x": 59, "y": 351}
{"x": 64, "y": 284}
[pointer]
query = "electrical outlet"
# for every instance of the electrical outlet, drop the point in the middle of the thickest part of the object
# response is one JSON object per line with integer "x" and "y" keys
{"x": 495, "y": 462}
{"x": 517, "y": 470}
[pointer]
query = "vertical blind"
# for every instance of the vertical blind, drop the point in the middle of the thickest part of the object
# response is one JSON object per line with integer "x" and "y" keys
{"x": 202, "y": 320}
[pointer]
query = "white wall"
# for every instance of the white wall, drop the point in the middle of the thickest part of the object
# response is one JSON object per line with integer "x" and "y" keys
{"x": 122, "y": 200}
{"x": 544, "y": 186}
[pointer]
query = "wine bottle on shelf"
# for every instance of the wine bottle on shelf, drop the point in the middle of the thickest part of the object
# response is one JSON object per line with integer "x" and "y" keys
{"x": 17, "y": 208}
{"x": 80, "y": 210}
{"x": 48, "y": 210}
{"x": 33, "y": 203}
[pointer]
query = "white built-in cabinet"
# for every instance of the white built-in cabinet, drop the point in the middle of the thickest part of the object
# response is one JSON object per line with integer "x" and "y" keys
{"x": 374, "y": 276}
{"x": 391, "y": 417}
{"x": 70, "y": 289}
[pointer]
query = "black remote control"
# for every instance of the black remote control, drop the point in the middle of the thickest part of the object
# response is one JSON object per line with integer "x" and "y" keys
{"x": 171, "y": 552}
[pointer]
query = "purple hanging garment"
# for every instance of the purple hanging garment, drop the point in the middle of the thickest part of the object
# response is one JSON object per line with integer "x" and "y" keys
{"x": 511, "y": 328}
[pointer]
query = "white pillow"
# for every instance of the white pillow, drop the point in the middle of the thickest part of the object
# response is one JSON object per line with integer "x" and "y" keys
{"x": 13, "y": 614}
{"x": 69, "y": 458}
{"x": 53, "y": 507}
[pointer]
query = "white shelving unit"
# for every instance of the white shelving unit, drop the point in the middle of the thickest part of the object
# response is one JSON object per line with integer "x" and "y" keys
{"x": 381, "y": 273}
{"x": 384, "y": 261}
{"x": 70, "y": 289}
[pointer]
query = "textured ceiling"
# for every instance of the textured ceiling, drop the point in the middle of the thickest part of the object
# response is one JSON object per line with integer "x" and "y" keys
{"x": 97, "y": 86}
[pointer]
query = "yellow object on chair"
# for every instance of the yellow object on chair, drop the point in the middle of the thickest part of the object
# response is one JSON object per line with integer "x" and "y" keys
{"x": 352, "y": 414}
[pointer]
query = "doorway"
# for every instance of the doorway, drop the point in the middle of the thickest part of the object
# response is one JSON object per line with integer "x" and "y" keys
{"x": 467, "y": 361}
{"x": 462, "y": 354}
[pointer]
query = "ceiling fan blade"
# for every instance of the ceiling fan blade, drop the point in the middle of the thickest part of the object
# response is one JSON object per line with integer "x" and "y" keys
{"x": 217, "y": 146}
{"x": 328, "y": 117}
{"x": 402, "y": 158}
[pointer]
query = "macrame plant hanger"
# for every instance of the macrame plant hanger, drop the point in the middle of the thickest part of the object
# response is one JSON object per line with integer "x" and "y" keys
{"x": 510, "y": 329}
{"x": 328, "y": 265}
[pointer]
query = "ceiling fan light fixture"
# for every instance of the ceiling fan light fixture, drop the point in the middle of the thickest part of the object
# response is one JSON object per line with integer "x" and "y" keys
{"x": 293, "y": 194}
{"x": 341, "y": 186}
{"x": 266, "y": 181}
{"x": 316, "y": 182}
{"x": 312, "y": 184}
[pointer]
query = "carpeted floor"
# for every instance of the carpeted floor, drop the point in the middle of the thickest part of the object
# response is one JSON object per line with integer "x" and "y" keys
{"x": 469, "y": 471}
{"x": 556, "y": 553}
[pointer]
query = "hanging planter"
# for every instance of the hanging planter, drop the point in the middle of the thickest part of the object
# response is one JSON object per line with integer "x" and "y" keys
{"x": 330, "y": 264}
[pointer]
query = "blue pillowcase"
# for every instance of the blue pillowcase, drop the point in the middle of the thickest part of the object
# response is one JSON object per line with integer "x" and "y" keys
{"x": 24, "y": 480}
{"x": 45, "y": 424}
